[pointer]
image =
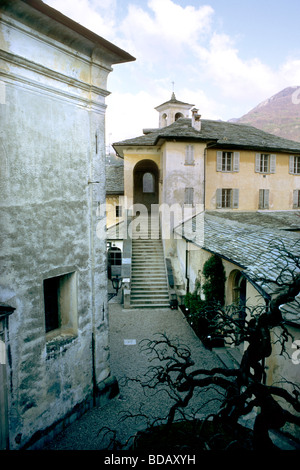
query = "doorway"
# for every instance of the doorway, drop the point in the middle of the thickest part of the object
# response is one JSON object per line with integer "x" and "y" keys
{"x": 145, "y": 180}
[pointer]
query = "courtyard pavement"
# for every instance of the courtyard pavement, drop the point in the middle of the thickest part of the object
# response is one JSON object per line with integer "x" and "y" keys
{"x": 127, "y": 329}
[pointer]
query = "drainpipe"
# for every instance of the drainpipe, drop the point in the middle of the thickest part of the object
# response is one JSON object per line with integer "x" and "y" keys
{"x": 187, "y": 268}
{"x": 5, "y": 311}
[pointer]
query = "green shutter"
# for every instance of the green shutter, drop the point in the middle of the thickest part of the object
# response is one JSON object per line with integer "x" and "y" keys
{"x": 272, "y": 163}
{"x": 257, "y": 162}
{"x": 235, "y": 198}
{"x": 261, "y": 199}
{"x": 295, "y": 198}
{"x": 236, "y": 161}
{"x": 189, "y": 154}
{"x": 219, "y": 160}
{"x": 266, "y": 198}
{"x": 219, "y": 198}
{"x": 291, "y": 165}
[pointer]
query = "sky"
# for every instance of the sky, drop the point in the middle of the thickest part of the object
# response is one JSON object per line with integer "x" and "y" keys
{"x": 223, "y": 56}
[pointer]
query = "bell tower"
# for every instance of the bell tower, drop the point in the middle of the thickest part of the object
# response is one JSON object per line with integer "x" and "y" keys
{"x": 172, "y": 110}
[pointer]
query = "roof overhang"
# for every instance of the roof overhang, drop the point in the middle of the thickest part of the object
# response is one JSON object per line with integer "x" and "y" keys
{"x": 54, "y": 24}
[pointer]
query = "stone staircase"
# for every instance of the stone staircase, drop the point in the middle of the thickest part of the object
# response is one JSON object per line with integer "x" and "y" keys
{"x": 149, "y": 283}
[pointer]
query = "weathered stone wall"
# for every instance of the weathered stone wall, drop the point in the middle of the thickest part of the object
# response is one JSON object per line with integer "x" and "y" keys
{"x": 52, "y": 106}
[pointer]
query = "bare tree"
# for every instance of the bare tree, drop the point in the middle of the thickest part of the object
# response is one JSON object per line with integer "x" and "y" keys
{"x": 245, "y": 387}
{"x": 241, "y": 389}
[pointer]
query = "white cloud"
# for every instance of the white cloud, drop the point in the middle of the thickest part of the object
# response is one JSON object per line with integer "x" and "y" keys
{"x": 129, "y": 113}
{"x": 97, "y": 15}
{"x": 237, "y": 78}
{"x": 180, "y": 43}
{"x": 165, "y": 30}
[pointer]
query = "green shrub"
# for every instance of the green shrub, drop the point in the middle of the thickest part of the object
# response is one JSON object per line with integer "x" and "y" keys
{"x": 214, "y": 285}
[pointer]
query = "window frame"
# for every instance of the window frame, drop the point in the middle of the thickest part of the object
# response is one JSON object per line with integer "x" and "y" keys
{"x": 264, "y": 199}
{"x": 294, "y": 164}
{"x": 189, "y": 155}
{"x": 189, "y": 196}
{"x": 145, "y": 183}
{"x": 62, "y": 289}
{"x": 296, "y": 199}
{"x": 118, "y": 209}
{"x": 234, "y": 163}
{"x": 223, "y": 195}
{"x": 260, "y": 166}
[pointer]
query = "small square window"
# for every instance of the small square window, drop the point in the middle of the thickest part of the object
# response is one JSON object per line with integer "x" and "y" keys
{"x": 60, "y": 303}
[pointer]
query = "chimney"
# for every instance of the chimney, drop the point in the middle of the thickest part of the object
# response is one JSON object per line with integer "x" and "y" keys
{"x": 196, "y": 119}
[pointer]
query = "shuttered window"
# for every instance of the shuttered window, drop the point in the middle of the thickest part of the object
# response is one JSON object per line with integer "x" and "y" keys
{"x": 265, "y": 163}
{"x": 227, "y": 198}
{"x": 296, "y": 199}
{"x": 294, "y": 165}
{"x": 228, "y": 161}
{"x": 189, "y": 155}
{"x": 189, "y": 196}
{"x": 263, "y": 199}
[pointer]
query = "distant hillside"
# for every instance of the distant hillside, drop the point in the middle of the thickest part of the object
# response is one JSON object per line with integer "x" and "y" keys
{"x": 279, "y": 115}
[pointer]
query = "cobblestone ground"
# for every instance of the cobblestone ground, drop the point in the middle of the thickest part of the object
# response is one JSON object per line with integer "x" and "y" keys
{"x": 127, "y": 329}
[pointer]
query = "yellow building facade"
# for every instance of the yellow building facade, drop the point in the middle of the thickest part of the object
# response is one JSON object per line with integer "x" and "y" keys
{"x": 213, "y": 164}
{"x": 260, "y": 180}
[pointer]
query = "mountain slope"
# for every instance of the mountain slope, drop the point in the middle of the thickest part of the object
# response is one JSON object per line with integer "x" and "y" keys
{"x": 279, "y": 115}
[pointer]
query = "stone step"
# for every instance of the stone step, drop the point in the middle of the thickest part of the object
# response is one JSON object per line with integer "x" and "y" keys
{"x": 146, "y": 290}
{"x": 143, "y": 275}
{"x": 150, "y": 305}
{"x": 149, "y": 286}
{"x": 147, "y": 297}
{"x": 147, "y": 264}
{"x": 153, "y": 284}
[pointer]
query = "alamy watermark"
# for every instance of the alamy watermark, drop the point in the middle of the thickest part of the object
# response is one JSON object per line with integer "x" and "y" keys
{"x": 161, "y": 220}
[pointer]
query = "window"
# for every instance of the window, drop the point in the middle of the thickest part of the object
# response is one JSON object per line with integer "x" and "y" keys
{"x": 294, "y": 167}
{"x": 263, "y": 199}
{"x": 118, "y": 211}
{"x": 148, "y": 183}
{"x": 265, "y": 163}
{"x": 228, "y": 161}
{"x": 227, "y": 198}
{"x": 189, "y": 196}
{"x": 296, "y": 199}
{"x": 60, "y": 303}
{"x": 189, "y": 155}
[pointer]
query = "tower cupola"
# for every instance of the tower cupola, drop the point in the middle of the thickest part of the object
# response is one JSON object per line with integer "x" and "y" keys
{"x": 172, "y": 110}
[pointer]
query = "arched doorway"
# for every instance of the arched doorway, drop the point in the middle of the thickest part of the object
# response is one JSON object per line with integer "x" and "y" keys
{"x": 145, "y": 180}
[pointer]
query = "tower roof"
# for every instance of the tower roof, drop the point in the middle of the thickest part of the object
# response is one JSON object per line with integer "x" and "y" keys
{"x": 173, "y": 101}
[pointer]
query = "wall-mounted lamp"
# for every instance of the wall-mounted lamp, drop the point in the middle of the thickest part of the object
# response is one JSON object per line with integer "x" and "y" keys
{"x": 116, "y": 282}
